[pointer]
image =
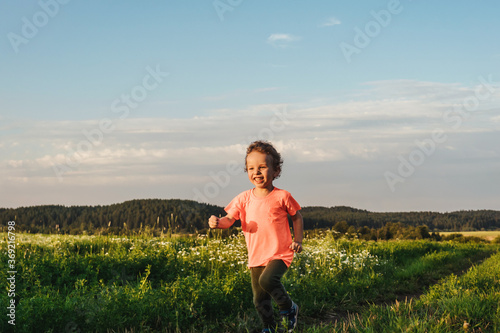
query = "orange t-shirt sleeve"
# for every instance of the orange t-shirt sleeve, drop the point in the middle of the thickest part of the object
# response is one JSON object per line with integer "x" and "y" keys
{"x": 234, "y": 208}
{"x": 292, "y": 206}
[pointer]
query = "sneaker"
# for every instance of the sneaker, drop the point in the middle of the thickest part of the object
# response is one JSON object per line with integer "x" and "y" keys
{"x": 289, "y": 317}
{"x": 269, "y": 330}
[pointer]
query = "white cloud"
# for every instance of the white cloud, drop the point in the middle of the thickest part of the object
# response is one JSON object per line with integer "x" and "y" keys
{"x": 364, "y": 128}
{"x": 330, "y": 22}
{"x": 422, "y": 90}
{"x": 172, "y": 156}
{"x": 239, "y": 93}
{"x": 281, "y": 40}
{"x": 15, "y": 163}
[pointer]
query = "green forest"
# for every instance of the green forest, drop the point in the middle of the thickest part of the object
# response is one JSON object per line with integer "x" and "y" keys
{"x": 186, "y": 216}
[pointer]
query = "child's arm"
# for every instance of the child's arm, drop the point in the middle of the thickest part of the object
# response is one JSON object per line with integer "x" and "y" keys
{"x": 298, "y": 232}
{"x": 225, "y": 222}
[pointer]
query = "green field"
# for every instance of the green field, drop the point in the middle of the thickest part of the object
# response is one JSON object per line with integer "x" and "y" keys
{"x": 201, "y": 284}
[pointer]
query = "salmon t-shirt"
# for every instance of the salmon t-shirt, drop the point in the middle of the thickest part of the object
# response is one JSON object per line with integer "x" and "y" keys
{"x": 264, "y": 222}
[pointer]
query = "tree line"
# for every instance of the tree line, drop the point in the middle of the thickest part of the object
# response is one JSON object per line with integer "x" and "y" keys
{"x": 464, "y": 220}
{"x": 187, "y": 216}
{"x": 130, "y": 216}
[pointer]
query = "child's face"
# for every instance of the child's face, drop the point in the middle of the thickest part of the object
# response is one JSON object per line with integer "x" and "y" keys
{"x": 260, "y": 169}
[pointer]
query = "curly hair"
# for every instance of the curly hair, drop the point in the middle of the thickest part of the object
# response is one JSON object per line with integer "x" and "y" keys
{"x": 267, "y": 148}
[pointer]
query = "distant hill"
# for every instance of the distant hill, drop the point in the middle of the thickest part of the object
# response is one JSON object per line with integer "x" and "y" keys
{"x": 190, "y": 216}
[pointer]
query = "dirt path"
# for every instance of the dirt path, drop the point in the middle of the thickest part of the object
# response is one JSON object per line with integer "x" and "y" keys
{"x": 335, "y": 316}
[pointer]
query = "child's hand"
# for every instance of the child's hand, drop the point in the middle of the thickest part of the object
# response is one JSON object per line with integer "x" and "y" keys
{"x": 296, "y": 247}
{"x": 213, "y": 222}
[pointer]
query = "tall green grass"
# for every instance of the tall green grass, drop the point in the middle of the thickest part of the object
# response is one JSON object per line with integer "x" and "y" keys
{"x": 201, "y": 284}
{"x": 467, "y": 303}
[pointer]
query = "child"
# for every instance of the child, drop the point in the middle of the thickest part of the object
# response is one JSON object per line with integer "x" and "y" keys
{"x": 263, "y": 212}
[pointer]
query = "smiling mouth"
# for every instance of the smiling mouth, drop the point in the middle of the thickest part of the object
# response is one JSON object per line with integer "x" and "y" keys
{"x": 258, "y": 180}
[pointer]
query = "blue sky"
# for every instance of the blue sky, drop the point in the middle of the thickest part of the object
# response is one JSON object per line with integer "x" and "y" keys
{"x": 379, "y": 105}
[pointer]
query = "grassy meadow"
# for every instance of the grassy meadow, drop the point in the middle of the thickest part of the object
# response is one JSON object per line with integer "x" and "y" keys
{"x": 201, "y": 284}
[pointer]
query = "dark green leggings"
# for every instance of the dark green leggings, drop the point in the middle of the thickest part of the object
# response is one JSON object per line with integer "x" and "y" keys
{"x": 266, "y": 286}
